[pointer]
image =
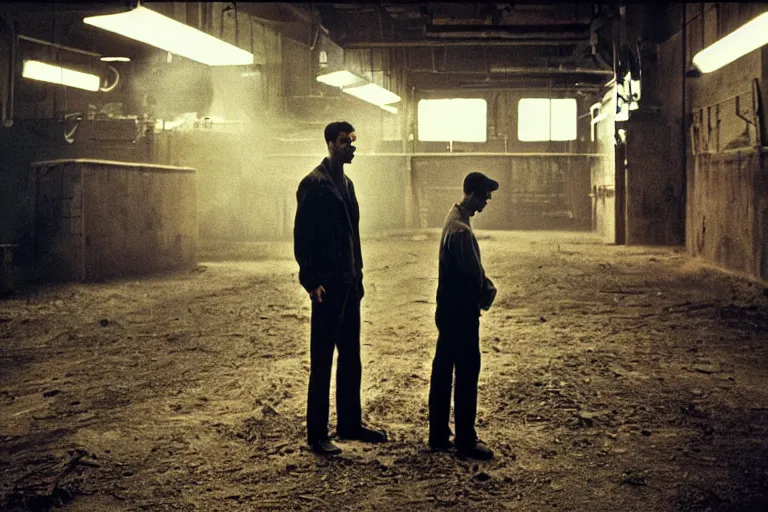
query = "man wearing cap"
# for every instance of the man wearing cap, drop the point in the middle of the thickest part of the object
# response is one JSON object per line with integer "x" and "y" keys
{"x": 327, "y": 249}
{"x": 462, "y": 291}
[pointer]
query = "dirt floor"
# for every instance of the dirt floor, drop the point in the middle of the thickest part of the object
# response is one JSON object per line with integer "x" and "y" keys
{"x": 614, "y": 379}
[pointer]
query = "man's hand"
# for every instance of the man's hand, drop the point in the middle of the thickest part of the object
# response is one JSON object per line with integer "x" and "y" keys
{"x": 488, "y": 295}
{"x": 360, "y": 289}
{"x": 318, "y": 294}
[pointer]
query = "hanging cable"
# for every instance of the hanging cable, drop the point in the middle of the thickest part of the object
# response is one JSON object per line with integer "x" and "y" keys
{"x": 69, "y": 136}
{"x": 117, "y": 79}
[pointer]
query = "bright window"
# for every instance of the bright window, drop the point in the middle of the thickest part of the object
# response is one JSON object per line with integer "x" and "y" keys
{"x": 454, "y": 119}
{"x": 543, "y": 119}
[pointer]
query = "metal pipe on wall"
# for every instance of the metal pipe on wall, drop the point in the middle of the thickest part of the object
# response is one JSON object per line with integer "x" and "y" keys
{"x": 237, "y": 25}
{"x": 8, "y": 111}
{"x": 57, "y": 46}
{"x": 684, "y": 121}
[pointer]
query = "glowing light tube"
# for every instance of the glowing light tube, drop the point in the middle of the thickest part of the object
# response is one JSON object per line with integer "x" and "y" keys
{"x": 389, "y": 108}
{"x": 750, "y": 36}
{"x": 373, "y": 93}
{"x": 37, "y": 70}
{"x": 339, "y": 78}
{"x": 172, "y": 36}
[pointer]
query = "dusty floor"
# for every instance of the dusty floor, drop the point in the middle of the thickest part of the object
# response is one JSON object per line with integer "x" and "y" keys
{"x": 614, "y": 379}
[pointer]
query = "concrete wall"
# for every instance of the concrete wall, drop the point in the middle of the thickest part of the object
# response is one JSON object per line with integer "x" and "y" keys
{"x": 729, "y": 211}
{"x": 727, "y": 198}
{"x": 100, "y": 219}
{"x": 655, "y": 180}
{"x": 35, "y": 140}
{"x": 535, "y": 192}
{"x": 380, "y": 185}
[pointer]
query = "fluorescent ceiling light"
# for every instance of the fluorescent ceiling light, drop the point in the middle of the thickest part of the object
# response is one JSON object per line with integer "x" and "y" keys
{"x": 339, "y": 78}
{"x": 172, "y": 36}
{"x": 750, "y": 36}
{"x": 37, "y": 70}
{"x": 115, "y": 59}
{"x": 389, "y": 108}
{"x": 373, "y": 93}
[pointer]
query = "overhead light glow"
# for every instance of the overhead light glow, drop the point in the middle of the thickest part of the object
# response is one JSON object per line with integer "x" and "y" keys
{"x": 750, "y": 36}
{"x": 373, "y": 93}
{"x": 115, "y": 59}
{"x": 389, "y": 108}
{"x": 339, "y": 78}
{"x": 172, "y": 36}
{"x": 37, "y": 70}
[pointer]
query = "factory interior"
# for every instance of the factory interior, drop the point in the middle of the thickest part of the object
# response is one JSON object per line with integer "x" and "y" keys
{"x": 154, "y": 337}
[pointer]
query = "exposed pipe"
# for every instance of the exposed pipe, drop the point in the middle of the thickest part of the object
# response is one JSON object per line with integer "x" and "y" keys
{"x": 303, "y": 16}
{"x": 250, "y": 25}
{"x": 757, "y": 97}
{"x": 363, "y": 45}
{"x": 117, "y": 80}
{"x": 522, "y": 70}
{"x": 58, "y": 46}
{"x": 684, "y": 121}
{"x": 314, "y": 39}
{"x": 8, "y": 118}
{"x": 237, "y": 25}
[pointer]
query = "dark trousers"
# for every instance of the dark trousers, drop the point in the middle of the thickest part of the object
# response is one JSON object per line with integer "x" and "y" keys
{"x": 335, "y": 324}
{"x": 458, "y": 346}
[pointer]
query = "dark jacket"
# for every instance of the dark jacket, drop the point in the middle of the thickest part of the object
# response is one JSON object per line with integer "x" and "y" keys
{"x": 462, "y": 287}
{"x": 326, "y": 236}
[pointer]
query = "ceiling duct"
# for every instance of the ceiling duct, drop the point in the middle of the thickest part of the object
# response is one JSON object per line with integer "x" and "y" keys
{"x": 542, "y": 32}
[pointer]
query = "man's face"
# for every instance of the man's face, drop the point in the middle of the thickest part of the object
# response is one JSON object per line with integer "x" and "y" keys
{"x": 342, "y": 149}
{"x": 482, "y": 199}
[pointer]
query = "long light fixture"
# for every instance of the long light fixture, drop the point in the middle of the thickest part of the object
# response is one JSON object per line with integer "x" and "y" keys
{"x": 37, "y": 70}
{"x": 373, "y": 93}
{"x": 339, "y": 78}
{"x": 389, "y": 108}
{"x": 750, "y": 36}
{"x": 172, "y": 36}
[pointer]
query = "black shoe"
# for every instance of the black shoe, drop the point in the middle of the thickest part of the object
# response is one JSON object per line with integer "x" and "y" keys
{"x": 364, "y": 434}
{"x": 441, "y": 446}
{"x": 324, "y": 447}
{"x": 477, "y": 450}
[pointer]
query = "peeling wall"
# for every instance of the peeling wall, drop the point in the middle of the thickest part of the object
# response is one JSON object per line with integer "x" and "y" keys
{"x": 729, "y": 211}
{"x": 99, "y": 219}
{"x": 727, "y": 197}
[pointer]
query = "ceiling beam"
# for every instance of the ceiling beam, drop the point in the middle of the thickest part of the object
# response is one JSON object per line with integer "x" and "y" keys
{"x": 518, "y": 70}
{"x": 362, "y": 45}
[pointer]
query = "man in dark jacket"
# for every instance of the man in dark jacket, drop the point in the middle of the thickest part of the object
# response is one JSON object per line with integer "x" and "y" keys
{"x": 327, "y": 249}
{"x": 462, "y": 291}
